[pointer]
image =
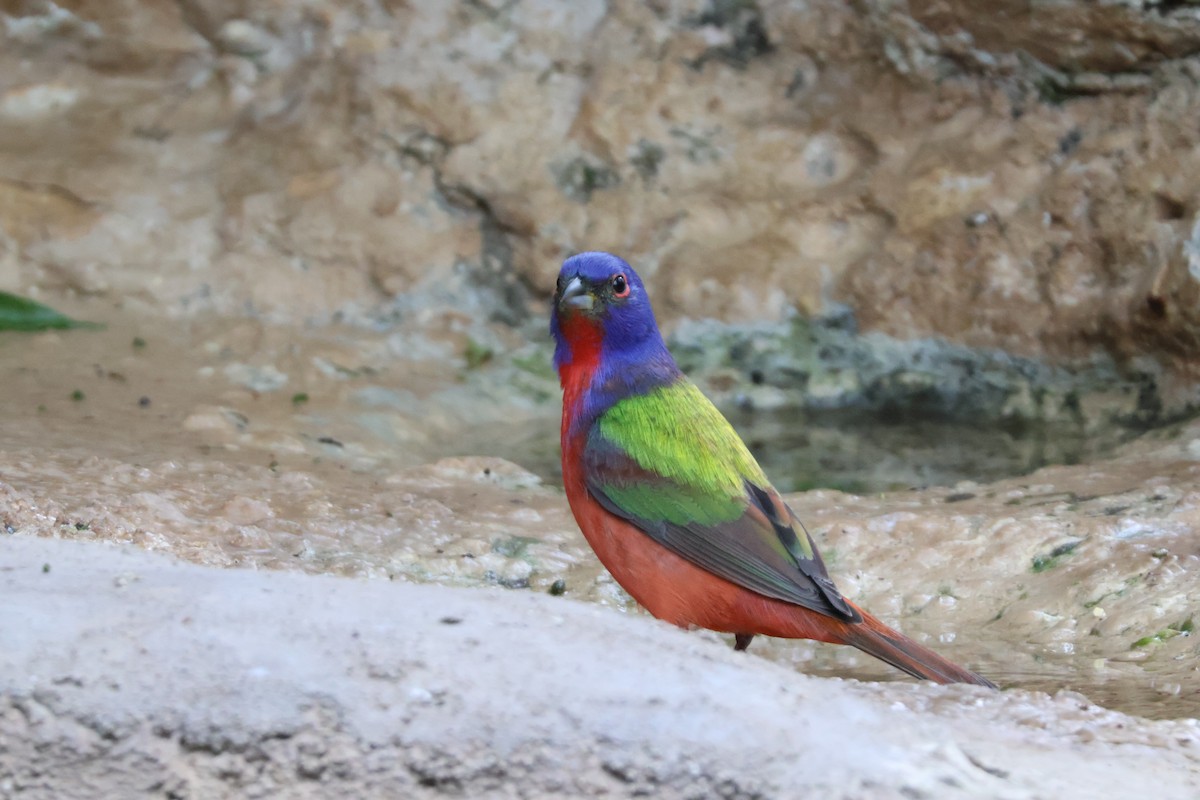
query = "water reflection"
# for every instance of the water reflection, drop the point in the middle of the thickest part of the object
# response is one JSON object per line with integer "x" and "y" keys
{"x": 848, "y": 451}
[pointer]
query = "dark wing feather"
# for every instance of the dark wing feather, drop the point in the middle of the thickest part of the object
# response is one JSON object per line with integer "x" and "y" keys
{"x": 760, "y": 550}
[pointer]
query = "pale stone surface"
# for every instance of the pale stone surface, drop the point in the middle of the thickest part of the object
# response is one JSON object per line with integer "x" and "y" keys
{"x": 252, "y": 683}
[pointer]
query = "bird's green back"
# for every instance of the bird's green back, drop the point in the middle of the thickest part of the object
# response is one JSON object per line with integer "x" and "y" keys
{"x": 675, "y": 432}
{"x": 670, "y": 463}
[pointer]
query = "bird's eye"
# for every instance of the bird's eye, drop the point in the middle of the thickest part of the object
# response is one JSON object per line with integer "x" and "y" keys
{"x": 620, "y": 285}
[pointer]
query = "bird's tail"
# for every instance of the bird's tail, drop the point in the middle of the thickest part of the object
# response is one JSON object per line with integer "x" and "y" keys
{"x": 873, "y": 637}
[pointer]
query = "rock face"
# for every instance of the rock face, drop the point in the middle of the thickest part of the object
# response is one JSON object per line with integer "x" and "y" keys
{"x": 1019, "y": 178}
{"x": 386, "y": 690}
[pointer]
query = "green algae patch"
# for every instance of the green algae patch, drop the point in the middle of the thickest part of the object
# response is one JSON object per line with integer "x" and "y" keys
{"x": 1166, "y": 634}
{"x": 23, "y": 314}
{"x": 1051, "y": 560}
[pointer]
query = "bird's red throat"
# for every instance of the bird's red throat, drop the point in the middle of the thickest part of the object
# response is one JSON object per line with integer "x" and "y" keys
{"x": 584, "y": 337}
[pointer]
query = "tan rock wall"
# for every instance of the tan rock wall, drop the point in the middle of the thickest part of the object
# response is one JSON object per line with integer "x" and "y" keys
{"x": 1000, "y": 176}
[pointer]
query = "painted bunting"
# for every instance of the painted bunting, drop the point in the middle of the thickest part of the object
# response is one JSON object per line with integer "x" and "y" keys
{"x": 668, "y": 496}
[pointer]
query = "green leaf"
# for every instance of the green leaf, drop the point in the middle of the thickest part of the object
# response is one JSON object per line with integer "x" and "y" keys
{"x": 21, "y": 314}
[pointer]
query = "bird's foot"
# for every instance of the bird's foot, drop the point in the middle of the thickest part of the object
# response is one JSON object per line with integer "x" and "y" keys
{"x": 742, "y": 640}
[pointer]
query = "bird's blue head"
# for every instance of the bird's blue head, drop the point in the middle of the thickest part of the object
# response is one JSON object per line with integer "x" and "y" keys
{"x": 602, "y": 323}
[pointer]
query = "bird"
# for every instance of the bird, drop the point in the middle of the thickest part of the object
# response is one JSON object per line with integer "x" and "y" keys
{"x": 670, "y": 498}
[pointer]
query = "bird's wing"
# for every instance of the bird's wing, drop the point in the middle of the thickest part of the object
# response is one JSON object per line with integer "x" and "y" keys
{"x": 670, "y": 464}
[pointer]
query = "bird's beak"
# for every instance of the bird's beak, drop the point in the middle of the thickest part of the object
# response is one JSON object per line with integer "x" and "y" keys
{"x": 576, "y": 295}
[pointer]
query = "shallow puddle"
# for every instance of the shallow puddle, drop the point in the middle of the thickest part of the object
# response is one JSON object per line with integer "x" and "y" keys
{"x": 847, "y": 451}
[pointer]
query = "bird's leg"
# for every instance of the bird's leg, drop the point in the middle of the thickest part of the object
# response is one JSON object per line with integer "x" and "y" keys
{"x": 742, "y": 640}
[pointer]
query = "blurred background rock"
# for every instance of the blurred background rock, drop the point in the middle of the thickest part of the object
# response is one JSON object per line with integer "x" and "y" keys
{"x": 1004, "y": 177}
